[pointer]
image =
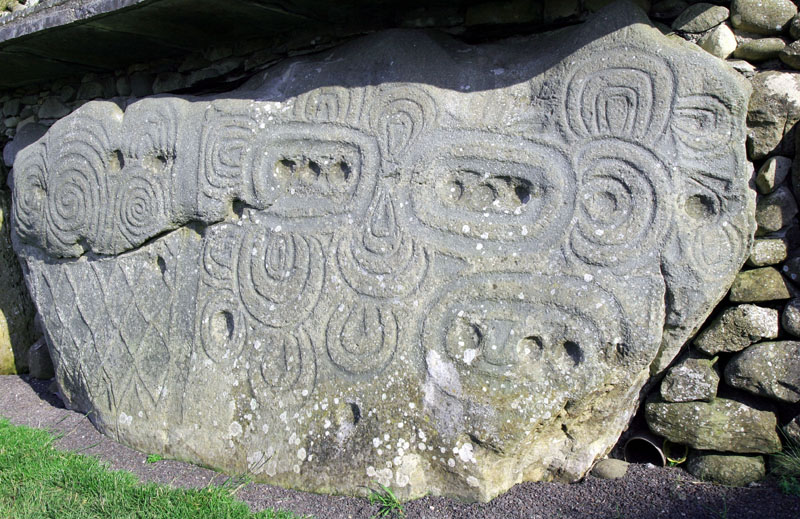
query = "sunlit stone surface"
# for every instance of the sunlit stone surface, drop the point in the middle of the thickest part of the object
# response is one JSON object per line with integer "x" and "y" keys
{"x": 441, "y": 267}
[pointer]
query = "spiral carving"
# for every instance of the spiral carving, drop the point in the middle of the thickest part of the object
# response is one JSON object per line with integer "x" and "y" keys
{"x": 30, "y": 187}
{"x": 141, "y": 207}
{"x": 623, "y": 200}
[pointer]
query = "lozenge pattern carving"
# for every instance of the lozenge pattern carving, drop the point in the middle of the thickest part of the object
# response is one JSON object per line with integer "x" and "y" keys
{"x": 421, "y": 277}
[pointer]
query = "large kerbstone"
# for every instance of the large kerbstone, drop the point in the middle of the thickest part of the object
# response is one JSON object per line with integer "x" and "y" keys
{"x": 442, "y": 267}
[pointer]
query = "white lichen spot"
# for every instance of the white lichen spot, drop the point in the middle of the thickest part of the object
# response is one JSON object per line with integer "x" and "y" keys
{"x": 235, "y": 429}
{"x": 469, "y": 355}
{"x": 125, "y": 419}
{"x": 301, "y": 454}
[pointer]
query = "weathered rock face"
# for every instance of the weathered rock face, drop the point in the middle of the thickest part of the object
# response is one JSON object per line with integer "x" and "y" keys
{"x": 442, "y": 267}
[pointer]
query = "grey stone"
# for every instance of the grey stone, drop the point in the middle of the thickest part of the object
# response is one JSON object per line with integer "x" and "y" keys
{"x": 762, "y": 16}
{"x": 719, "y": 42}
{"x": 767, "y": 251}
{"x": 743, "y": 67}
{"x": 123, "y": 85}
{"x": 764, "y": 284}
{"x": 794, "y": 28}
{"x": 667, "y": 9}
{"x": 503, "y": 11}
{"x": 11, "y": 122}
{"x": 775, "y": 211}
{"x": 737, "y": 328}
{"x": 40, "y": 365}
{"x": 773, "y": 173}
{"x": 342, "y": 265}
{"x": 761, "y": 49}
{"x": 791, "y": 55}
{"x": 141, "y": 84}
{"x": 700, "y": 18}
{"x": 768, "y": 369}
{"x": 691, "y": 379}
{"x": 90, "y": 90}
{"x": 610, "y": 468}
{"x": 167, "y": 82}
{"x": 726, "y": 469}
{"x": 720, "y": 425}
{"x": 67, "y": 93}
{"x": 773, "y": 111}
{"x": 53, "y": 108}
{"x": 792, "y": 430}
{"x": 11, "y": 107}
{"x": 791, "y": 268}
{"x": 26, "y": 135}
{"x": 790, "y": 318}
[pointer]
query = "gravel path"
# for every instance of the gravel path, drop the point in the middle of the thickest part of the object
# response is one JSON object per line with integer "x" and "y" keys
{"x": 645, "y": 492}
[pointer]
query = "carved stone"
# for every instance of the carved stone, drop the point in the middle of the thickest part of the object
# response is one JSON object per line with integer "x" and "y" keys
{"x": 442, "y": 267}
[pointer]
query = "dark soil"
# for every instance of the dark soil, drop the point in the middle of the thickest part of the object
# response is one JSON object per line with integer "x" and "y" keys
{"x": 646, "y": 491}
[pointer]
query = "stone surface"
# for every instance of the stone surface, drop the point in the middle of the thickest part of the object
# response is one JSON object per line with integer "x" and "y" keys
{"x": 719, "y": 42}
{"x": 691, "y": 379}
{"x": 347, "y": 272}
{"x": 721, "y": 425}
{"x": 16, "y": 308}
{"x": 760, "y": 49}
{"x": 764, "y": 284}
{"x": 700, "y": 18}
{"x": 53, "y": 108}
{"x": 24, "y": 137}
{"x": 610, "y": 468}
{"x": 792, "y": 430}
{"x": 791, "y": 268}
{"x": 773, "y": 111}
{"x": 775, "y": 211}
{"x": 773, "y": 173}
{"x": 737, "y": 328}
{"x": 790, "y": 318}
{"x": 743, "y": 67}
{"x": 762, "y": 16}
{"x": 40, "y": 365}
{"x": 767, "y": 251}
{"x": 726, "y": 469}
{"x": 667, "y": 9}
{"x": 794, "y": 28}
{"x": 791, "y": 55}
{"x": 768, "y": 369}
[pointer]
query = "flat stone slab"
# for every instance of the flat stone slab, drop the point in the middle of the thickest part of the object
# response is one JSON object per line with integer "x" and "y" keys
{"x": 441, "y": 267}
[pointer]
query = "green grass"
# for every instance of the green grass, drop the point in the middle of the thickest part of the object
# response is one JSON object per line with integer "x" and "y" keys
{"x": 153, "y": 458}
{"x": 388, "y": 504}
{"x": 38, "y": 481}
{"x": 786, "y": 465}
{"x": 787, "y": 462}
